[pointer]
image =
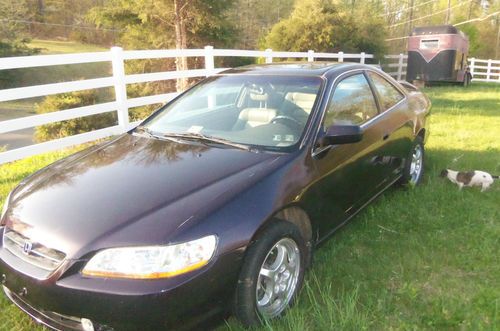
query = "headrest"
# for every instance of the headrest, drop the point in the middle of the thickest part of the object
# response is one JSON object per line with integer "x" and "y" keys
{"x": 259, "y": 97}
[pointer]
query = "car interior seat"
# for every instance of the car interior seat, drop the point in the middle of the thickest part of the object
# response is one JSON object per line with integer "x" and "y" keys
{"x": 302, "y": 100}
{"x": 255, "y": 116}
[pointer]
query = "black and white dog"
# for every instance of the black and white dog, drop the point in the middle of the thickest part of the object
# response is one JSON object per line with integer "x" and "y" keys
{"x": 469, "y": 178}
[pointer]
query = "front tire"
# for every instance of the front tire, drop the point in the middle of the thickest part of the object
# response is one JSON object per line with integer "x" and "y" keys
{"x": 272, "y": 274}
{"x": 414, "y": 165}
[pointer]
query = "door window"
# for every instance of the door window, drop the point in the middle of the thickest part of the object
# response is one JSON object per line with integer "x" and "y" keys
{"x": 389, "y": 95}
{"x": 352, "y": 102}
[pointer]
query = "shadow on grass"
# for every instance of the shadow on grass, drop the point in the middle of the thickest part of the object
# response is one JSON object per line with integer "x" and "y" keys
{"x": 488, "y": 160}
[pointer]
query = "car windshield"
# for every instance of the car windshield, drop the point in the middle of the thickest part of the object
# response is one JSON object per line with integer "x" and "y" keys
{"x": 241, "y": 110}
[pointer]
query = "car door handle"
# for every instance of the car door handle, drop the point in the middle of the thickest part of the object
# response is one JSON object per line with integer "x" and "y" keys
{"x": 386, "y": 136}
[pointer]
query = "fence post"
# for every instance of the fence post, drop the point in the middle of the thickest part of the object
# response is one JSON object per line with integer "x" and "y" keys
{"x": 471, "y": 67}
{"x": 269, "y": 55}
{"x": 209, "y": 60}
{"x": 118, "y": 67}
{"x": 209, "y": 69}
{"x": 488, "y": 70}
{"x": 400, "y": 66}
{"x": 341, "y": 56}
{"x": 310, "y": 55}
{"x": 362, "y": 58}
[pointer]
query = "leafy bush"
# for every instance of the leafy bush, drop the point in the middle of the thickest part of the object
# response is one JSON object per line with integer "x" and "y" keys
{"x": 327, "y": 26}
{"x": 64, "y": 101}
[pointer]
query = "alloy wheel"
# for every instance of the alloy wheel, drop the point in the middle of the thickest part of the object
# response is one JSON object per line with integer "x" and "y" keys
{"x": 278, "y": 278}
{"x": 416, "y": 165}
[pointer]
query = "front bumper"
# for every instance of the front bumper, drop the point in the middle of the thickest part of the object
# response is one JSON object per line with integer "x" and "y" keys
{"x": 49, "y": 319}
{"x": 117, "y": 304}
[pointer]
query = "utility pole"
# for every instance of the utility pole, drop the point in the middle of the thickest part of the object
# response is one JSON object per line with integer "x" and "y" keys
{"x": 410, "y": 23}
{"x": 498, "y": 38}
{"x": 448, "y": 12}
{"x": 469, "y": 15}
{"x": 410, "y": 18}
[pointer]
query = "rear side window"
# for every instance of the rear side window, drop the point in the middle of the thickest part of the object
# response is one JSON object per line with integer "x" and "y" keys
{"x": 389, "y": 95}
{"x": 352, "y": 102}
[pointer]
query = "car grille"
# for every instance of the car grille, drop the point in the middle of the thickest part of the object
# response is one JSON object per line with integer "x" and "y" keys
{"x": 37, "y": 254}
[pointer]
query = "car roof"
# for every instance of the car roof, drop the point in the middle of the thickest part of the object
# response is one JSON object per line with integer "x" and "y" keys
{"x": 296, "y": 68}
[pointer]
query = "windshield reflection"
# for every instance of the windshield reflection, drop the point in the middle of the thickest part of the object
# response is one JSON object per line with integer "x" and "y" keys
{"x": 264, "y": 110}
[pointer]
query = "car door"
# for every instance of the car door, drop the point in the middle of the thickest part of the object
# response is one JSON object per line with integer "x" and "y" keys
{"x": 396, "y": 125}
{"x": 348, "y": 175}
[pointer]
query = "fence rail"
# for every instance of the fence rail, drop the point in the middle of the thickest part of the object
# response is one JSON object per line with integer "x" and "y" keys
{"x": 485, "y": 70}
{"x": 481, "y": 70}
{"x": 396, "y": 61}
{"x": 119, "y": 80}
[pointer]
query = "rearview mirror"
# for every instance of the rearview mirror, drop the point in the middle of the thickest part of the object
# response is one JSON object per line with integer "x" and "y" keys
{"x": 342, "y": 134}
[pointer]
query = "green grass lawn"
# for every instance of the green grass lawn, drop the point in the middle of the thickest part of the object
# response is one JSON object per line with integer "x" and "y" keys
{"x": 416, "y": 259}
{"x": 60, "y": 47}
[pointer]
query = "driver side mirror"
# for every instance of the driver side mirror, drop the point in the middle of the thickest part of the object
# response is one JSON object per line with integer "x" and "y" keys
{"x": 342, "y": 134}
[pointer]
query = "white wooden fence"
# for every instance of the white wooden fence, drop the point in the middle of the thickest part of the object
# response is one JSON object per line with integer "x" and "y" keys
{"x": 485, "y": 70}
{"x": 481, "y": 70}
{"x": 119, "y": 81}
{"x": 396, "y": 65}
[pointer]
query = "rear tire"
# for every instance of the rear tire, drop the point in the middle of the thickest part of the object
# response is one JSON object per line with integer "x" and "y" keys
{"x": 272, "y": 274}
{"x": 414, "y": 164}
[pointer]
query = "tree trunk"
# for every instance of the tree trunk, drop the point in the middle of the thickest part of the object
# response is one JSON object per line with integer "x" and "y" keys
{"x": 180, "y": 41}
{"x": 448, "y": 13}
{"x": 40, "y": 10}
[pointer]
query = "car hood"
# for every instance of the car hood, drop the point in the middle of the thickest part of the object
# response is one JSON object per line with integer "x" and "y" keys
{"x": 148, "y": 186}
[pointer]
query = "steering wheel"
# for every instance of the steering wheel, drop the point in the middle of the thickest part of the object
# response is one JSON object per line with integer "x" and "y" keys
{"x": 289, "y": 121}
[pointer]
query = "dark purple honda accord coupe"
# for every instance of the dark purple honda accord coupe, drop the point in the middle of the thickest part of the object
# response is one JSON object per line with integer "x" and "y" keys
{"x": 212, "y": 204}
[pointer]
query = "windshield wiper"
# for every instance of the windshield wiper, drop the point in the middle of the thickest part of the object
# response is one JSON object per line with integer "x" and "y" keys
{"x": 205, "y": 138}
{"x": 149, "y": 134}
{"x": 145, "y": 131}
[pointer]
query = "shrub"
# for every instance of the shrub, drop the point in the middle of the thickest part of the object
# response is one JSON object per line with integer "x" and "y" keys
{"x": 64, "y": 101}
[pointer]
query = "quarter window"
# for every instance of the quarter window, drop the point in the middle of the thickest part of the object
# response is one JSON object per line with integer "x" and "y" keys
{"x": 389, "y": 95}
{"x": 352, "y": 102}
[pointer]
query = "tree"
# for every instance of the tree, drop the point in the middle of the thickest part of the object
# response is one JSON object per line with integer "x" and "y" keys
{"x": 254, "y": 18}
{"x": 152, "y": 24}
{"x": 13, "y": 36}
{"x": 328, "y": 26}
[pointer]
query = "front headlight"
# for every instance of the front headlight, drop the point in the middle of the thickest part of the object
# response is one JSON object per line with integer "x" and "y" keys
{"x": 4, "y": 209}
{"x": 152, "y": 262}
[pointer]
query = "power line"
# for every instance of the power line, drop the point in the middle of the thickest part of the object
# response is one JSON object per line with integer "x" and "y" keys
{"x": 478, "y": 19}
{"x": 83, "y": 27}
{"x": 398, "y": 38}
{"x": 422, "y": 17}
{"x": 406, "y": 9}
